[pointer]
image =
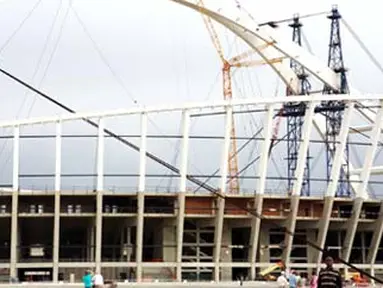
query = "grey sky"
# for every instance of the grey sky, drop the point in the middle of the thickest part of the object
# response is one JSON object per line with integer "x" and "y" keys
{"x": 161, "y": 53}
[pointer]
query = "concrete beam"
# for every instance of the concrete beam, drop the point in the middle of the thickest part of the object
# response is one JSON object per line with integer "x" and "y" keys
{"x": 376, "y": 237}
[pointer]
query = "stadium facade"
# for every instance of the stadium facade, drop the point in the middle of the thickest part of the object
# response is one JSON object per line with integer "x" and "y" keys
{"x": 54, "y": 233}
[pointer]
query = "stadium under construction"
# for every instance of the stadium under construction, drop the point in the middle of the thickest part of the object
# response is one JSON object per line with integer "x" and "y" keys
{"x": 200, "y": 230}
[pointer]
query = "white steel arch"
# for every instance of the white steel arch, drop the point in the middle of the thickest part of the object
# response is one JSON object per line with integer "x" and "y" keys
{"x": 259, "y": 36}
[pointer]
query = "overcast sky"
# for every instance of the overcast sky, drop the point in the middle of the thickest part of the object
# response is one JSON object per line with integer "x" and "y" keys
{"x": 107, "y": 54}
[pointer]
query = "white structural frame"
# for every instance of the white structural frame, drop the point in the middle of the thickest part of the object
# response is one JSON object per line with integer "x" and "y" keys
{"x": 362, "y": 187}
{"x": 269, "y": 105}
{"x": 335, "y": 173}
{"x": 182, "y": 191}
{"x": 193, "y": 107}
{"x": 262, "y": 173}
{"x": 220, "y": 200}
{"x": 299, "y": 173}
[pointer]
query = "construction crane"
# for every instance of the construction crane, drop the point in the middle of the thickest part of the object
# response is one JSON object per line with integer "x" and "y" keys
{"x": 236, "y": 62}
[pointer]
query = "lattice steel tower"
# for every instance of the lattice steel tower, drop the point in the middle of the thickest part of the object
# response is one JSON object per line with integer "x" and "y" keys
{"x": 295, "y": 115}
{"x": 333, "y": 110}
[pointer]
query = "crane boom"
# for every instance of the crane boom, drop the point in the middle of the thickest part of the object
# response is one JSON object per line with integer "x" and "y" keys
{"x": 227, "y": 94}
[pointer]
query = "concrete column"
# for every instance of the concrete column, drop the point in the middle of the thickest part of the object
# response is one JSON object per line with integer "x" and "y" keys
{"x": 98, "y": 231}
{"x": 169, "y": 239}
{"x": 221, "y": 199}
{"x": 311, "y": 252}
{"x": 324, "y": 224}
{"x": 218, "y": 236}
{"x": 180, "y": 233}
{"x": 352, "y": 225}
{"x": 15, "y": 202}
{"x": 254, "y": 234}
{"x": 290, "y": 226}
{"x": 264, "y": 242}
{"x": 99, "y": 194}
{"x": 139, "y": 234}
{"x": 56, "y": 237}
{"x": 376, "y": 237}
{"x": 56, "y": 225}
{"x": 91, "y": 242}
{"x": 332, "y": 187}
{"x": 258, "y": 199}
{"x": 299, "y": 174}
{"x": 361, "y": 191}
{"x": 182, "y": 191}
{"x": 226, "y": 253}
{"x": 14, "y": 234}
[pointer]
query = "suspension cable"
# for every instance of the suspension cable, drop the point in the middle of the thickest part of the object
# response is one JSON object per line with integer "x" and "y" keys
{"x": 363, "y": 46}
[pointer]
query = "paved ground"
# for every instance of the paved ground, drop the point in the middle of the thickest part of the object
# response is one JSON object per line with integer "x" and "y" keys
{"x": 153, "y": 285}
{"x": 149, "y": 285}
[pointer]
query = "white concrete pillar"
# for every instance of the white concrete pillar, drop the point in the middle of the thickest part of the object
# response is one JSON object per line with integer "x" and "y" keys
{"x": 99, "y": 193}
{"x": 361, "y": 192}
{"x": 221, "y": 200}
{"x": 376, "y": 238}
{"x": 139, "y": 234}
{"x": 261, "y": 184}
{"x": 141, "y": 198}
{"x": 182, "y": 191}
{"x": 56, "y": 226}
{"x": 15, "y": 200}
{"x": 298, "y": 174}
{"x": 226, "y": 252}
{"x": 324, "y": 223}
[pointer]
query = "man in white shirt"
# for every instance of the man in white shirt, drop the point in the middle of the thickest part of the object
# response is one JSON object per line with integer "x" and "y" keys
{"x": 282, "y": 281}
{"x": 98, "y": 280}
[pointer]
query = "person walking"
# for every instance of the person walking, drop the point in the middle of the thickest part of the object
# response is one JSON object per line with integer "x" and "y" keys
{"x": 329, "y": 277}
{"x": 282, "y": 281}
{"x": 293, "y": 279}
{"x": 87, "y": 279}
{"x": 98, "y": 280}
{"x": 314, "y": 280}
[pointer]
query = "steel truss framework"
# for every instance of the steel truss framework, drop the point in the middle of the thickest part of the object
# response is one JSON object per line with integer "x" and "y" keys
{"x": 295, "y": 113}
{"x": 334, "y": 110}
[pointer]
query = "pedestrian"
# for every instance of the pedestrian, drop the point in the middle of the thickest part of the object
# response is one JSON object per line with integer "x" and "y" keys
{"x": 293, "y": 279}
{"x": 87, "y": 279}
{"x": 329, "y": 277}
{"x": 98, "y": 280}
{"x": 282, "y": 281}
{"x": 314, "y": 280}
